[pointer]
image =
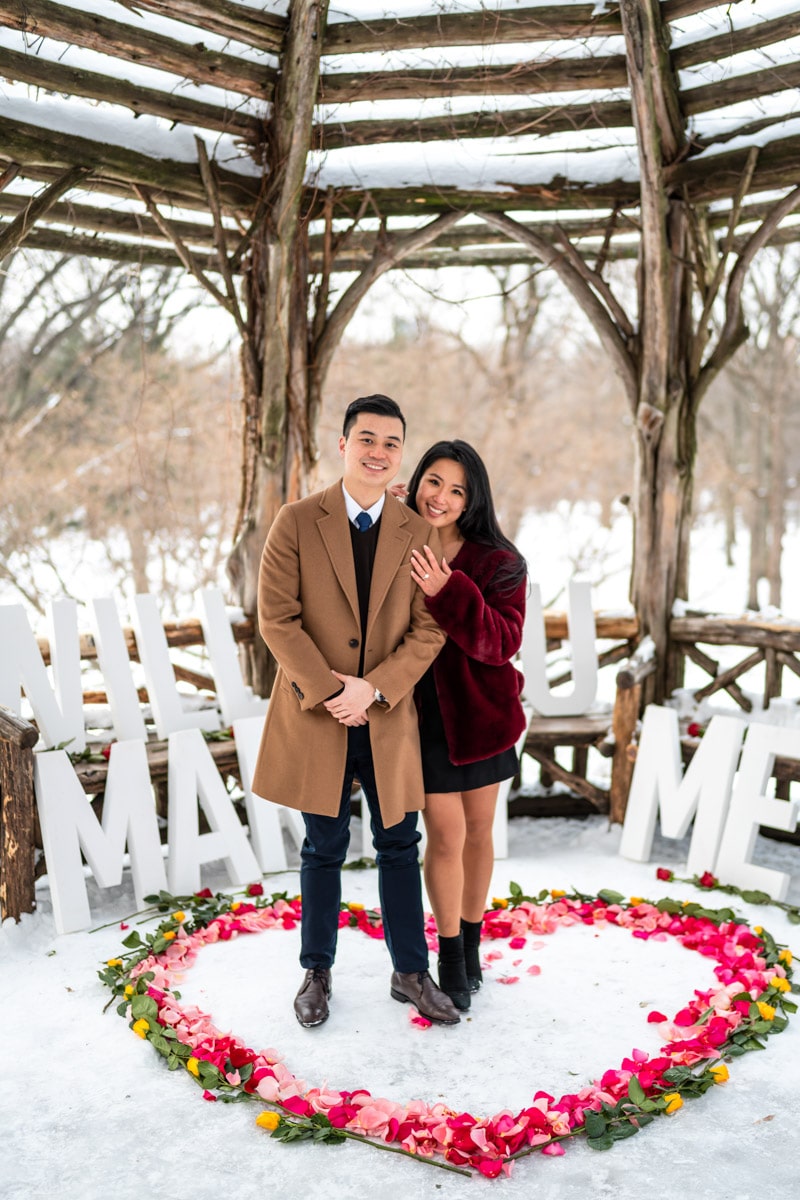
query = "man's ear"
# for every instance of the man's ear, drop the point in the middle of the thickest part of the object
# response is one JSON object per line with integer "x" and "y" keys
{"x": 342, "y": 441}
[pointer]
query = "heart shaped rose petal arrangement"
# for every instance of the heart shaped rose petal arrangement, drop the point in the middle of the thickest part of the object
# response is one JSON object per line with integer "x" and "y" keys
{"x": 747, "y": 1003}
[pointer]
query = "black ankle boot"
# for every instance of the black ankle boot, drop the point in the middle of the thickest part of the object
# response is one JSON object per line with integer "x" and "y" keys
{"x": 471, "y": 933}
{"x": 452, "y": 972}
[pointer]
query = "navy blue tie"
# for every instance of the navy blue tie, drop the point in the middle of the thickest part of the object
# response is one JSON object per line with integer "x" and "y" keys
{"x": 363, "y": 521}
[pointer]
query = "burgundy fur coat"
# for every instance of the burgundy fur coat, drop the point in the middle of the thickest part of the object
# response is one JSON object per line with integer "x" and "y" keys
{"x": 477, "y": 685}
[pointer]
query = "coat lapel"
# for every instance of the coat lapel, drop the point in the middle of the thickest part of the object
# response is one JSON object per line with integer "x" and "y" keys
{"x": 334, "y": 530}
{"x": 392, "y": 553}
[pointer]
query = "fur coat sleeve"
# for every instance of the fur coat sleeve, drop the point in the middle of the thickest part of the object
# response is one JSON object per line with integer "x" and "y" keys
{"x": 477, "y": 685}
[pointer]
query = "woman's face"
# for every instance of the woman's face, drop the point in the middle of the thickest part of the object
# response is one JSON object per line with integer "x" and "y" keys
{"x": 442, "y": 493}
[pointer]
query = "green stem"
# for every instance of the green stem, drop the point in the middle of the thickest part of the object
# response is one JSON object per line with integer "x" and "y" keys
{"x": 431, "y": 1162}
{"x": 129, "y": 917}
{"x": 556, "y": 1137}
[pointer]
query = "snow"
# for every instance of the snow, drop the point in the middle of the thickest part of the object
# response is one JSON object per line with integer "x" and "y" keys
{"x": 109, "y": 1119}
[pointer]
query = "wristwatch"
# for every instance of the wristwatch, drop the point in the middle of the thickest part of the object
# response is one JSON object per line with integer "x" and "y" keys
{"x": 379, "y": 698}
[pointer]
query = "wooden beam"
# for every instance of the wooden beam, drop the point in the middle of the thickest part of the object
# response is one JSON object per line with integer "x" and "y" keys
{"x": 513, "y": 79}
{"x": 737, "y": 41}
{"x": 502, "y": 123}
{"x": 17, "y": 815}
{"x": 728, "y": 631}
{"x": 114, "y": 222}
{"x": 42, "y": 18}
{"x": 239, "y": 22}
{"x": 34, "y": 145}
{"x": 713, "y": 177}
{"x": 487, "y": 26}
{"x": 515, "y": 122}
{"x": 173, "y": 106}
{"x": 16, "y": 231}
{"x": 734, "y": 89}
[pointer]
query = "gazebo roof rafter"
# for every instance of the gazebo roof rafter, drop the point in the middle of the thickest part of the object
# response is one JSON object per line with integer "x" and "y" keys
{"x": 176, "y": 67}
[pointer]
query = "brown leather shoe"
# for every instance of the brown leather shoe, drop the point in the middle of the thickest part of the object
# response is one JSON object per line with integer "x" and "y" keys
{"x": 311, "y": 1002}
{"x": 417, "y": 988}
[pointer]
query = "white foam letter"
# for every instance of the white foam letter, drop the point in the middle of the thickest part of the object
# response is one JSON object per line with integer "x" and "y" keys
{"x": 750, "y": 807}
{"x": 69, "y": 824}
{"x": 192, "y": 774}
{"x": 235, "y": 699}
{"x": 657, "y": 787}
{"x": 583, "y": 648}
{"x": 263, "y": 816}
{"x": 59, "y": 711}
{"x": 112, "y": 654}
{"x": 165, "y": 699}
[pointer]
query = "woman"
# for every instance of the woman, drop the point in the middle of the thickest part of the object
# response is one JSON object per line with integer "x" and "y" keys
{"x": 470, "y": 712}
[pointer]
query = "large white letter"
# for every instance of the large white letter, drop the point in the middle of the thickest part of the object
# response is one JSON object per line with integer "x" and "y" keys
{"x": 657, "y": 787}
{"x": 59, "y": 712}
{"x": 263, "y": 816}
{"x": 165, "y": 699}
{"x": 583, "y": 648}
{"x": 193, "y": 773}
{"x": 750, "y": 807}
{"x": 112, "y": 654}
{"x": 68, "y": 823}
{"x": 234, "y": 698}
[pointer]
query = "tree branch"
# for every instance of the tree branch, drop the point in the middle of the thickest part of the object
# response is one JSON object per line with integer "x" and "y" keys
{"x": 15, "y": 232}
{"x": 386, "y": 255}
{"x": 595, "y": 310}
{"x": 596, "y": 281}
{"x": 210, "y": 184}
{"x": 183, "y": 252}
{"x": 734, "y": 331}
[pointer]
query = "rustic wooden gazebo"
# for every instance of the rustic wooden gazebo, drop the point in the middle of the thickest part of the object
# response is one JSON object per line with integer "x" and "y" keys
{"x": 268, "y": 147}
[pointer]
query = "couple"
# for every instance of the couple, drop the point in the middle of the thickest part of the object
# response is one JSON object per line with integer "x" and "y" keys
{"x": 393, "y": 626}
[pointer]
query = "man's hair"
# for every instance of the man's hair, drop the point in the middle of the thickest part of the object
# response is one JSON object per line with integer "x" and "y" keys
{"x": 384, "y": 406}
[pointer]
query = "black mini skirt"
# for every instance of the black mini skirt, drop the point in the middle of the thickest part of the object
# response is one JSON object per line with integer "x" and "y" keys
{"x": 438, "y": 772}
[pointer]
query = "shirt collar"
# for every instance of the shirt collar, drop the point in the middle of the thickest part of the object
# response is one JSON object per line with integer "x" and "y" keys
{"x": 354, "y": 509}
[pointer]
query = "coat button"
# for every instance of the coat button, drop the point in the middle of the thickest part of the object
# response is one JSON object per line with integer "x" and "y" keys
{"x": 353, "y": 642}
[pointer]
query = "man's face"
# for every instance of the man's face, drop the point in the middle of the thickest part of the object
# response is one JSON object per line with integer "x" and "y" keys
{"x": 372, "y": 453}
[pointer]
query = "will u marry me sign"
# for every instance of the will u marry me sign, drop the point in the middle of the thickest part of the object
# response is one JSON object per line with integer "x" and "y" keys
{"x": 727, "y": 808}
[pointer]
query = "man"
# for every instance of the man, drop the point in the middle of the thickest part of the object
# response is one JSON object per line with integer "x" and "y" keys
{"x": 351, "y": 634}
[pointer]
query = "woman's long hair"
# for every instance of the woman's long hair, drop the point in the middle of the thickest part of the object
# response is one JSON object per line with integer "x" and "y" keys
{"x": 478, "y": 522}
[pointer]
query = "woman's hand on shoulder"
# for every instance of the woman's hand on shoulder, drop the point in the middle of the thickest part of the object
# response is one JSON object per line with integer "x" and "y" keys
{"x": 426, "y": 571}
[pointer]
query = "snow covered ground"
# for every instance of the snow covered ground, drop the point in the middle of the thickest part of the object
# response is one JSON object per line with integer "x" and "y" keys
{"x": 89, "y": 1111}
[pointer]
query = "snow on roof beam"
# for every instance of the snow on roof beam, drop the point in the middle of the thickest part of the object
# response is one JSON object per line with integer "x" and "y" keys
{"x": 41, "y": 18}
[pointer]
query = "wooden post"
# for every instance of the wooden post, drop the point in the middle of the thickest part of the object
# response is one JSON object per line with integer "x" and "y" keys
{"x": 17, "y": 815}
{"x": 627, "y": 710}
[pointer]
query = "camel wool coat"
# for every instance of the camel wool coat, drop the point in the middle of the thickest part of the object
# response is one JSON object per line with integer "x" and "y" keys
{"x": 308, "y": 615}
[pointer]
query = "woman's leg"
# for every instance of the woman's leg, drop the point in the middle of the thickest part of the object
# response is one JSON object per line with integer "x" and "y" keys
{"x": 445, "y": 826}
{"x": 478, "y": 854}
{"x": 444, "y": 879}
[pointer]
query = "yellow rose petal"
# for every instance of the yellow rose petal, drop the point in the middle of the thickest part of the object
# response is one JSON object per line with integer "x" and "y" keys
{"x": 268, "y": 1120}
{"x": 114, "y": 962}
{"x": 179, "y": 915}
{"x": 766, "y": 1010}
{"x": 354, "y": 906}
{"x": 673, "y": 1101}
{"x": 780, "y": 984}
{"x": 192, "y": 1067}
{"x": 785, "y": 957}
{"x": 719, "y": 1072}
{"x": 168, "y": 935}
{"x": 141, "y": 1027}
{"x": 129, "y": 989}
{"x": 637, "y": 899}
